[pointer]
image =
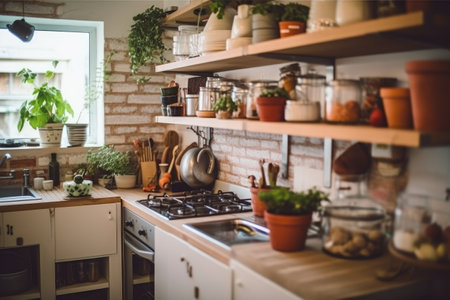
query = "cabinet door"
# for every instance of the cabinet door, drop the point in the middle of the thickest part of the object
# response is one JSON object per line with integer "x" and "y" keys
{"x": 85, "y": 231}
{"x": 171, "y": 268}
{"x": 248, "y": 284}
{"x": 28, "y": 227}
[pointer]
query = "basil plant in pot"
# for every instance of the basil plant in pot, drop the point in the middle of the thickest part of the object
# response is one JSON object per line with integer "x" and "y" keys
{"x": 48, "y": 111}
{"x": 289, "y": 214}
{"x": 293, "y": 19}
{"x": 121, "y": 165}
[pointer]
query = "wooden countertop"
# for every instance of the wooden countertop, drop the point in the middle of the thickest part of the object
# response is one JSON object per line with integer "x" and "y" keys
{"x": 57, "y": 198}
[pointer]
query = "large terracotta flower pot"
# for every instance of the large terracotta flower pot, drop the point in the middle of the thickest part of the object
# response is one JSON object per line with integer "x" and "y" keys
{"x": 288, "y": 28}
{"x": 271, "y": 109}
{"x": 258, "y": 206}
{"x": 397, "y": 107}
{"x": 287, "y": 233}
{"x": 429, "y": 83}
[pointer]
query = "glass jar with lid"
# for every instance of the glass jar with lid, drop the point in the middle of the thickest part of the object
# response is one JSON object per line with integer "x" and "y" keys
{"x": 343, "y": 101}
{"x": 288, "y": 78}
{"x": 239, "y": 96}
{"x": 183, "y": 40}
{"x": 311, "y": 87}
{"x": 353, "y": 225}
{"x": 255, "y": 89}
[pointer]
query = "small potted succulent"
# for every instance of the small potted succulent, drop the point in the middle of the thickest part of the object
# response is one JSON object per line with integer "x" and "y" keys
{"x": 293, "y": 19}
{"x": 289, "y": 214}
{"x": 271, "y": 103}
{"x": 225, "y": 107}
{"x": 48, "y": 111}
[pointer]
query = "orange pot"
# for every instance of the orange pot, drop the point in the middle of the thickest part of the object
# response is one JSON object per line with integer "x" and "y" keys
{"x": 429, "y": 83}
{"x": 288, "y": 28}
{"x": 287, "y": 233}
{"x": 258, "y": 206}
{"x": 397, "y": 107}
{"x": 271, "y": 109}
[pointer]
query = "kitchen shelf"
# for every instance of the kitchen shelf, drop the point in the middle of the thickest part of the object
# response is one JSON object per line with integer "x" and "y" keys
{"x": 367, "y": 134}
{"x": 138, "y": 279}
{"x": 186, "y": 15}
{"x": 405, "y": 32}
{"x": 33, "y": 293}
{"x": 102, "y": 283}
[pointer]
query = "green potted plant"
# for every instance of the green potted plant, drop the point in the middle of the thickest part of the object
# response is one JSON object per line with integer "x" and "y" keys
{"x": 265, "y": 18}
{"x": 289, "y": 214}
{"x": 119, "y": 164}
{"x": 48, "y": 111}
{"x": 225, "y": 107}
{"x": 271, "y": 103}
{"x": 145, "y": 42}
{"x": 293, "y": 19}
{"x": 77, "y": 132}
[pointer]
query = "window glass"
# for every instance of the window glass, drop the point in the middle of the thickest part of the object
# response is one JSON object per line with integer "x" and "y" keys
{"x": 76, "y": 74}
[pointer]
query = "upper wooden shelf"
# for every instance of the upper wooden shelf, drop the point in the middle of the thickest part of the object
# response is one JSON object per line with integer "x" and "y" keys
{"x": 188, "y": 14}
{"x": 406, "y": 32}
{"x": 367, "y": 134}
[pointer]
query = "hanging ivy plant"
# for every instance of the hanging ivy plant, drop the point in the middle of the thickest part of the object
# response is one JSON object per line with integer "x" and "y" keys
{"x": 145, "y": 43}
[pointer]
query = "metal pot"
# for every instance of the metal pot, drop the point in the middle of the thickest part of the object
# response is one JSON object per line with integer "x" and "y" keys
{"x": 15, "y": 273}
{"x": 198, "y": 167}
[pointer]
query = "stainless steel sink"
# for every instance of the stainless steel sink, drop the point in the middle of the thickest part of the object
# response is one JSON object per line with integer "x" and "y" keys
{"x": 17, "y": 193}
{"x": 226, "y": 233}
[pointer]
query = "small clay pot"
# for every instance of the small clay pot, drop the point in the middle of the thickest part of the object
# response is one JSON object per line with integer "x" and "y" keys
{"x": 429, "y": 85}
{"x": 289, "y": 28}
{"x": 258, "y": 206}
{"x": 397, "y": 107}
{"x": 271, "y": 109}
{"x": 287, "y": 232}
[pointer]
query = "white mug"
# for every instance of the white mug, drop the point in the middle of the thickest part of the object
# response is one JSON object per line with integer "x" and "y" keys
{"x": 38, "y": 183}
{"x": 48, "y": 185}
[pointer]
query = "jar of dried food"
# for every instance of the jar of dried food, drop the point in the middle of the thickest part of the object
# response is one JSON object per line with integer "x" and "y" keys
{"x": 288, "y": 78}
{"x": 239, "y": 95}
{"x": 342, "y": 101}
{"x": 255, "y": 89}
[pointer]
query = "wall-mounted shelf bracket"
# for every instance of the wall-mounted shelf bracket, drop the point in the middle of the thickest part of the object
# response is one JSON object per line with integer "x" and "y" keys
{"x": 285, "y": 143}
{"x": 204, "y": 136}
{"x": 302, "y": 58}
{"x": 327, "y": 161}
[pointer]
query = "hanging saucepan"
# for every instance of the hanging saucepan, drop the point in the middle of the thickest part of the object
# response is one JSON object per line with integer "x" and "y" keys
{"x": 198, "y": 167}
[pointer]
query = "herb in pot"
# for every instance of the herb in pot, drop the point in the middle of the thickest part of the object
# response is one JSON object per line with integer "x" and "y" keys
{"x": 225, "y": 103}
{"x": 276, "y": 92}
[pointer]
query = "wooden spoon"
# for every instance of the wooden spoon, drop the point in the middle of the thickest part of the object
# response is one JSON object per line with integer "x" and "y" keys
{"x": 165, "y": 180}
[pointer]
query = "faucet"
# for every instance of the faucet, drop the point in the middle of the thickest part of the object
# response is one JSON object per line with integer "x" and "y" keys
{"x": 12, "y": 173}
{"x": 26, "y": 177}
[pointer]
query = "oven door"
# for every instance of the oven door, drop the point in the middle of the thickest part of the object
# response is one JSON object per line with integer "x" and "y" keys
{"x": 139, "y": 269}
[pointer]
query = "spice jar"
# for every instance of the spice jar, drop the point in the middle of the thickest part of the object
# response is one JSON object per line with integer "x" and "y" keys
{"x": 239, "y": 96}
{"x": 342, "y": 101}
{"x": 255, "y": 89}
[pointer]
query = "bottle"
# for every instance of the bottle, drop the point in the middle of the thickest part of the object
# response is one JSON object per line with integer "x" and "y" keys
{"x": 53, "y": 170}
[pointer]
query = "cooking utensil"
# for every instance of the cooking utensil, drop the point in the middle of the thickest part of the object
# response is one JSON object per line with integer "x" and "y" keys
{"x": 198, "y": 167}
{"x": 165, "y": 154}
{"x": 180, "y": 156}
{"x": 262, "y": 183}
{"x": 165, "y": 180}
{"x": 251, "y": 180}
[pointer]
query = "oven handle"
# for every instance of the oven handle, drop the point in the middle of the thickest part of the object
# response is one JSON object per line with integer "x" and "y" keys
{"x": 142, "y": 251}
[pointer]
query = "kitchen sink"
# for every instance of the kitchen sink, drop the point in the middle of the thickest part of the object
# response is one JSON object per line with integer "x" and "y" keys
{"x": 226, "y": 233}
{"x": 17, "y": 193}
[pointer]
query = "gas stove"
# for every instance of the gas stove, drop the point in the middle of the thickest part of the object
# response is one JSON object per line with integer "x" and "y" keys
{"x": 196, "y": 204}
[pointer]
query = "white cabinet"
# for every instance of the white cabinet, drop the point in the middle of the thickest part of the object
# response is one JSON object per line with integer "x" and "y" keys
{"x": 85, "y": 231}
{"x": 184, "y": 272}
{"x": 247, "y": 284}
{"x": 32, "y": 228}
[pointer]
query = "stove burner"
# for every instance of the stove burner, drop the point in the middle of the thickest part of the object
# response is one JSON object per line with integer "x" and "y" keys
{"x": 196, "y": 204}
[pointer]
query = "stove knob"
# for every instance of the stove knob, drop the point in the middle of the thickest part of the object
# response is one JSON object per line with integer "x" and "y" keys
{"x": 129, "y": 223}
{"x": 142, "y": 232}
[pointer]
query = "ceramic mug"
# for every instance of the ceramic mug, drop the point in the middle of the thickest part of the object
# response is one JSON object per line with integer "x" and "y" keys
{"x": 38, "y": 183}
{"x": 242, "y": 27}
{"x": 48, "y": 185}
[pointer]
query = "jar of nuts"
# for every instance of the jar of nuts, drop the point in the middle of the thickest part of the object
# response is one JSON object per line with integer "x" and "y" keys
{"x": 353, "y": 228}
{"x": 343, "y": 101}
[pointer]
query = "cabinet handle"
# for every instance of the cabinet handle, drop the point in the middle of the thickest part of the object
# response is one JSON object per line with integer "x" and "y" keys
{"x": 9, "y": 229}
{"x": 196, "y": 292}
{"x": 52, "y": 212}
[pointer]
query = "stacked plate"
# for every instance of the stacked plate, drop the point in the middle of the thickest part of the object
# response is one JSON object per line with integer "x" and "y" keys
{"x": 214, "y": 40}
{"x": 76, "y": 134}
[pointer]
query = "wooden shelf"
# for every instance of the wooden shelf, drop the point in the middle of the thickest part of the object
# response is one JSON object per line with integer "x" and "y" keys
{"x": 139, "y": 279}
{"x": 367, "y": 134}
{"x": 33, "y": 293}
{"x": 186, "y": 15}
{"x": 102, "y": 283}
{"x": 406, "y": 32}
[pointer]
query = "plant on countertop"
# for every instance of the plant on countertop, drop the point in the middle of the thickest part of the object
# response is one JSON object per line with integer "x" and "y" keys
{"x": 48, "y": 106}
{"x": 145, "y": 43}
{"x": 282, "y": 201}
{"x": 112, "y": 161}
{"x": 274, "y": 92}
{"x": 295, "y": 12}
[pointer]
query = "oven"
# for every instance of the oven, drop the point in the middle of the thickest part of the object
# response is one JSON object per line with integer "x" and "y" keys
{"x": 139, "y": 257}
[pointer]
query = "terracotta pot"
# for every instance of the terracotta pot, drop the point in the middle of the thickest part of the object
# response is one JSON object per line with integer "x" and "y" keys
{"x": 271, "y": 109}
{"x": 223, "y": 114}
{"x": 288, "y": 28}
{"x": 397, "y": 107}
{"x": 258, "y": 206}
{"x": 287, "y": 233}
{"x": 429, "y": 83}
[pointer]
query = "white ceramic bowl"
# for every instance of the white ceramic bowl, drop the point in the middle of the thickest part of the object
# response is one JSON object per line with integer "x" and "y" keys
{"x": 302, "y": 111}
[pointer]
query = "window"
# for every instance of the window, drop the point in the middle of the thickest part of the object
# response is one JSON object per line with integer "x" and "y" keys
{"x": 78, "y": 46}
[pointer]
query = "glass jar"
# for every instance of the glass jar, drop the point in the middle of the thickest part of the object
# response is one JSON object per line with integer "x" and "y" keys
{"x": 288, "y": 78}
{"x": 371, "y": 94}
{"x": 239, "y": 96}
{"x": 207, "y": 98}
{"x": 311, "y": 87}
{"x": 255, "y": 89}
{"x": 183, "y": 41}
{"x": 342, "y": 101}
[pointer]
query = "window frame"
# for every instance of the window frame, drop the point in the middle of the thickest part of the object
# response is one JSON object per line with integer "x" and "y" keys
{"x": 95, "y": 29}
